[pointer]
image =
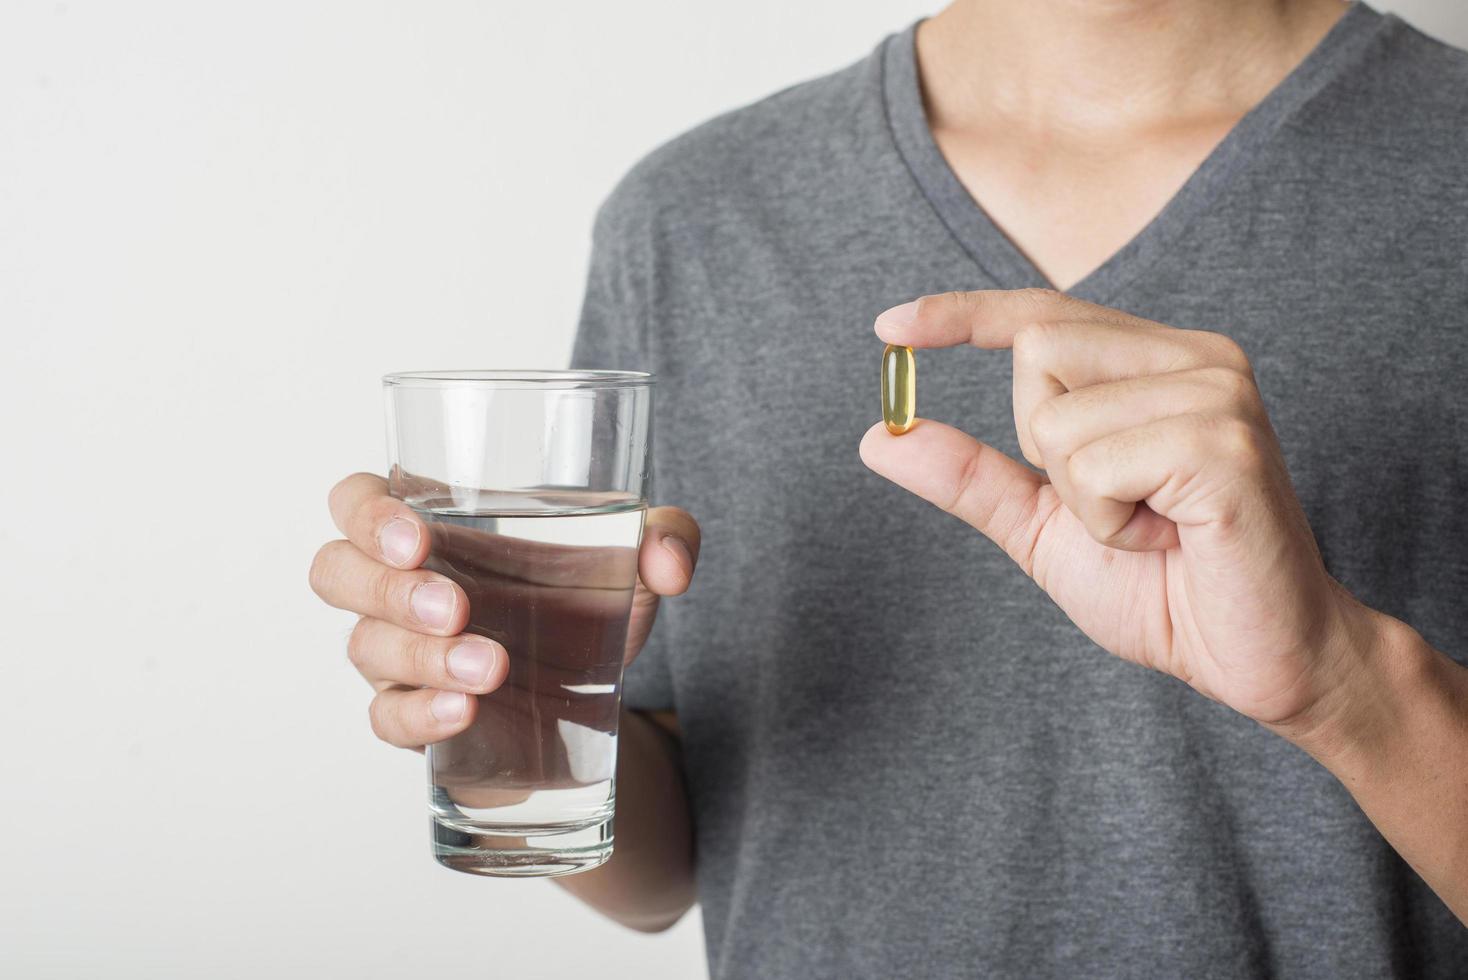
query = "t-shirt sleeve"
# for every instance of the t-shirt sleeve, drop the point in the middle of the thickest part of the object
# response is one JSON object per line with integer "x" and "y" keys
{"x": 612, "y": 334}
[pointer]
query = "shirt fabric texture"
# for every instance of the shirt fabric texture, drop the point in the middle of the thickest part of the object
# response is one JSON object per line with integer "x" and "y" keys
{"x": 902, "y": 759}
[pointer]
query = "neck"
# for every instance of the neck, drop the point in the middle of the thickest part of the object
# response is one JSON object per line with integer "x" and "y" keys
{"x": 1084, "y": 65}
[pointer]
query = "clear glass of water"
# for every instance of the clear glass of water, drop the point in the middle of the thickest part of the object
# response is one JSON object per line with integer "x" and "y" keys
{"x": 534, "y": 485}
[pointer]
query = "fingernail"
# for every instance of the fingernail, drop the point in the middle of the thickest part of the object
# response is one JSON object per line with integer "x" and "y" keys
{"x": 679, "y": 550}
{"x": 433, "y": 603}
{"x": 899, "y": 318}
{"x": 398, "y": 540}
{"x": 448, "y": 706}
{"x": 470, "y": 662}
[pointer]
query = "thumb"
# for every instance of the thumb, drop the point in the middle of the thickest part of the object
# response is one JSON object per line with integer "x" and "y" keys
{"x": 975, "y": 483}
{"x": 670, "y": 543}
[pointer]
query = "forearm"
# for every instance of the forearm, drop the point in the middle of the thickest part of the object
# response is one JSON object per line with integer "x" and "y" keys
{"x": 648, "y": 883}
{"x": 1397, "y": 738}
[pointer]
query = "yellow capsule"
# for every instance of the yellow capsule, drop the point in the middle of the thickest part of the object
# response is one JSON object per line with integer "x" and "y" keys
{"x": 899, "y": 388}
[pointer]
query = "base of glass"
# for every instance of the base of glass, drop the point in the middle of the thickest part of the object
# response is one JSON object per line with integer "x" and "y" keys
{"x": 521, "y": 851}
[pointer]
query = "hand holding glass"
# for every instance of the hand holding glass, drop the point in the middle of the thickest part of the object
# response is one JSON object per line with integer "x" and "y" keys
{"x": 534, "y": 486}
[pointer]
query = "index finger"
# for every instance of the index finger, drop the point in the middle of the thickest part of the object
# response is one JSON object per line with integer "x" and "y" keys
{"x": 1060, "y": 343}
{"x": 379, "y": 524}
{"x": 988, "y": 318}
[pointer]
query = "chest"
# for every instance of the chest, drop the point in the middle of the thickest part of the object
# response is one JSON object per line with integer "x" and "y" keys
{"x": 1069, "y": 202}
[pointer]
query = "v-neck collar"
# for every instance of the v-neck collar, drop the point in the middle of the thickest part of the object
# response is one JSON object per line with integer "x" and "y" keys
{"x": 998, "y": 257}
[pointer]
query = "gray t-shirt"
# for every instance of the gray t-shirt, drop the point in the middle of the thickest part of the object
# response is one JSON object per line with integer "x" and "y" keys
{"x": 903, "y": 760}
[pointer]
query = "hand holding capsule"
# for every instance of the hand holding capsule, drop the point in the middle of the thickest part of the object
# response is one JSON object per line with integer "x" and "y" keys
{"x": 1163, "y": 523}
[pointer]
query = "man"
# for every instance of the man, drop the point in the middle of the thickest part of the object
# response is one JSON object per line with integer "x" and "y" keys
{"x": 885, "y": 749}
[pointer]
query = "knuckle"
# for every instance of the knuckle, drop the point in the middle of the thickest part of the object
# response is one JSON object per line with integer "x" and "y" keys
{"x": 382, "y": 591}
{"x": 425, "y": 657}
{"x": 963, "y": 301}
{"x": 1194, "y": 443}
{"x": 322, "y": 574}
{"x": 377, "y": 717}
{"x": 964, "y": 483}
{"x": 1029, "y": 344}
{"x": 357, "y": 642}
{"x": 349, "y": 491}
{"x": 1227, "y": 352}
{"x": 1192, "y": 436}
{"x": 1043, "y": 303}
{"x": 1237, "y": 386}
{"x": 1047, "y": 425}
{"x": 337, "y": 492}
{"x": 1041, "y": 296}
{"x": 1087, "y": 471}
{"x": 316, "y": 575}
{"x": 927, "y": 306}
{"x": 1238, "y": 442}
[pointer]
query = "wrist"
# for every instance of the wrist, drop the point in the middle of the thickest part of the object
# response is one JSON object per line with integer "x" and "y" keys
{"x": 1386, "y": 683}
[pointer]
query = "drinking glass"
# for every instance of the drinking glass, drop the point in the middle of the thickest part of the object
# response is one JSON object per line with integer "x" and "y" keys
{"x": 534, "y": 485}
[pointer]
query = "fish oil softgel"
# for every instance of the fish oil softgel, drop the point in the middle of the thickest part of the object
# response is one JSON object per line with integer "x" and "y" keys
{"x": 899, "y": 388}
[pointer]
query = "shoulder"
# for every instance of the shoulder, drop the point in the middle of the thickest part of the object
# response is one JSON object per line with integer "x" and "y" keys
{"x": 1415, "y": 87}
{"x": 746, "y": 159}
{"x": 1419, "y": 57}
{"x": 1391, "y": 130}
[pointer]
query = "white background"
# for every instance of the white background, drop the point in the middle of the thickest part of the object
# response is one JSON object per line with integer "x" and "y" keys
{"x": 219, "y": 224}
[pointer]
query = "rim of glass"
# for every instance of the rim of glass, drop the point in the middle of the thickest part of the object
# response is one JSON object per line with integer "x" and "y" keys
{"x": 517, "y": 379}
